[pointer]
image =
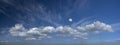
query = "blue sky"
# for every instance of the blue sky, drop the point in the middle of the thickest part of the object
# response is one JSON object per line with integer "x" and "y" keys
{"x": 60, "y": 21}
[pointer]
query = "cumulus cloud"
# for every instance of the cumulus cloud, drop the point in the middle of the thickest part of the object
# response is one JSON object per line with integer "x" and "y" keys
{"x": 45, "y": 32}
{"x": 96, "y": 27}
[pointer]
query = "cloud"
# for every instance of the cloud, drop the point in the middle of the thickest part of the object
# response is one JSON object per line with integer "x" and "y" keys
{"x": 81, "y": 21}
{"x": 96, "y": 27}
{"x": 18, "y": 30}
{"x": 38, "y": 33}
{"x": 116, "y": 26}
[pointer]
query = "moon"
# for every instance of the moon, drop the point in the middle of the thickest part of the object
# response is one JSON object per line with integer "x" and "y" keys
{"x": 70, "y": 20}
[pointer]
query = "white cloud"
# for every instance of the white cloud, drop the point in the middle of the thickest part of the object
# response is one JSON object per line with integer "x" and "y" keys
{"x": 70, "y": 20}
{"x": 18, "y": 30}
{"x": 96, "y": 27}
{"x": 45, "y": 32}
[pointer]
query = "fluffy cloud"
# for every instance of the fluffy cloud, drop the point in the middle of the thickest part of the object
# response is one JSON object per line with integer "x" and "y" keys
{"x": 45, "y": 32}
{"x": 96, "y": 27}
{"x": 18, "y": 30}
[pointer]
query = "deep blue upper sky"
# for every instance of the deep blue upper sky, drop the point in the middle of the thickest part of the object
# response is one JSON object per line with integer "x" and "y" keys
{"x": 77, "y": 9}
{"x": 36, "y": 13}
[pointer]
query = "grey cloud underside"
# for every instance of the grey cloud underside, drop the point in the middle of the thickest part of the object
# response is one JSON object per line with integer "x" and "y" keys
{"x": 80, "y": 32}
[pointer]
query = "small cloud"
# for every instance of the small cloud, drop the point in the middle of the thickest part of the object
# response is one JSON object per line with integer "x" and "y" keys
{"x": 70, "y": 20}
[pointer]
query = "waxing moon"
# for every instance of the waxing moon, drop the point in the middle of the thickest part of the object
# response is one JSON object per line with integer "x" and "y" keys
{"x": 70, "y": 20}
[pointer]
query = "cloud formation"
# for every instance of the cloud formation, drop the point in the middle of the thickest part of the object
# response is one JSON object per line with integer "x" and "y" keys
{"x": 38, "y": 33}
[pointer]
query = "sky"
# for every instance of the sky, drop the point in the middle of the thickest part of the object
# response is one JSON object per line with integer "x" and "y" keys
{"x": 59, "y": 22}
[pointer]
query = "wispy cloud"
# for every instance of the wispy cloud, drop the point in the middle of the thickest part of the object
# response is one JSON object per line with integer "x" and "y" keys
{"x": 116, "y": 26}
